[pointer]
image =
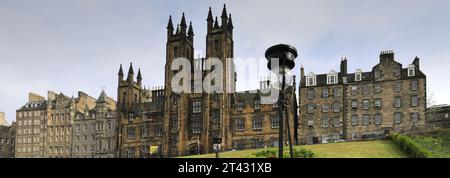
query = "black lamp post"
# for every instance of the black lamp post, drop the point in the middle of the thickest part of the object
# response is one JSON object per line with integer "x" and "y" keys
{"x": 216, "y": 145}
{"x": 285, "y": 54}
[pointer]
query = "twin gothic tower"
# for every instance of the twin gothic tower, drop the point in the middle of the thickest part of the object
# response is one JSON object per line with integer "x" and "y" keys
{"x": 178, "y": 123}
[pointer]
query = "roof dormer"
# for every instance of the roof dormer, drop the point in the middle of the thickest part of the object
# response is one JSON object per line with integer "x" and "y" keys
{"x": 311, "y": 79}
{"x": 332, "y": 77}
{"x": 411, "y": 70}
{"x": 358, "y": 75}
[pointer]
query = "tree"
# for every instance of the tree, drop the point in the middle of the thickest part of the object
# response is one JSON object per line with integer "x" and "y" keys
{"x": 431, "y": 108}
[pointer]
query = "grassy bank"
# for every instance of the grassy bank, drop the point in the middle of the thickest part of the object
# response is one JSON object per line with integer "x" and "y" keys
{"x": 361, "y": 149}
{"x": 437, "y": 143}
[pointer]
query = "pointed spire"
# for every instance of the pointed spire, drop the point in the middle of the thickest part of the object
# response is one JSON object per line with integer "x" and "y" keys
{"x": 191, "y": 30}
{"x": 120, "y": 71}
{"x": 210, "y": 16}
{"x": 183, "y": 21}
{"x": 131, "y": 71}
{"x": 102, "y": 97}
{"x": 170, "y": 24}
{"x": 224, "y": 11}
{"x": 72, "y": 100}
{"x": 230, "y": 23}
{"x": 216, "y": 23}
{"x": 139, "y": 76}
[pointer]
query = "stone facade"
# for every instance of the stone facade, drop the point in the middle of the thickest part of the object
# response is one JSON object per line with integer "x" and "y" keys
{"x": 7, "y": 140}
{"x": 46, "y": 128}
{"x": 94, "y": 131}
{"x": 61, "y": 116}
{"x": 353, "y": 106}
{"x": 438, "y": 116}
{"x": 186, "y": 123}
{"x": 31, "y": 123}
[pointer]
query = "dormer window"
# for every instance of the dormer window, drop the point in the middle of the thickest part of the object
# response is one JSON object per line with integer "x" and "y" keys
{"x": 257, "y": 104}
{"x": 411, "y": 70}
{"x": 358, "y": 75}
{"x": 311, "y": 80}
{"x": 240, "y": 106}
{"x": 332, "y": 78}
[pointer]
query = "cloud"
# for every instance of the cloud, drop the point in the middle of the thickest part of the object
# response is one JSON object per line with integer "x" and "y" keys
{"x": 78, "y": 45}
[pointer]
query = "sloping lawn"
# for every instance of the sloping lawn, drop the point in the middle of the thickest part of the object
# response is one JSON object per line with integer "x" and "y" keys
{"x": 438, "y": 143}
{"x": 361, "y": 149}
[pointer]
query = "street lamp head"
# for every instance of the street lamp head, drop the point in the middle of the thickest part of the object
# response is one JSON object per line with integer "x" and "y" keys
{"x": 286, "y": 55}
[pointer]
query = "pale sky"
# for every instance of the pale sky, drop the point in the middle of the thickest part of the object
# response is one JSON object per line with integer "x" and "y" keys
{"x": 78, "y": 45}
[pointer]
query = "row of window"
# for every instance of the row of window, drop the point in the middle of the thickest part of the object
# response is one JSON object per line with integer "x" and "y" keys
{"x": 365, "y": 120}
{"x": 28, "y": 140}
{"x": 398, "y": 101}
{"x": 99, "y": 146}
{"x": 257, "y": 123}
{"x": 28, "y": 114}
{"x": 398, "y": 116}
{"x": 59, "y": 149}
{"x": 61, "y": 138}
{"x": 131, "y": 132}
{"x": 28, "y": 149}
{"x": 28, "y": 131}
{"x": 85, "y": 138}
{"x": 59, "y": 129}
{"x": 336, "y": 107}
{"x": 332, "y": 76}
{"x": 311, "y": 93}
{"x": 377, "y": 88}
{"x": 366, "y": 105}
{"x": 54, "y": 118}
{"x": 29, "y": 122}
{"x": 336, "y": 121}
{"x": 257, "y": 105}
{"x": 6, "y": 141}
{"x": 95, "y": 126}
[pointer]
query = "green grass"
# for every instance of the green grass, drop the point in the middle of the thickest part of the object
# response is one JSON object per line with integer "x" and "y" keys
{"x": 438, "y": 143}
{"x": 361, "y": 149}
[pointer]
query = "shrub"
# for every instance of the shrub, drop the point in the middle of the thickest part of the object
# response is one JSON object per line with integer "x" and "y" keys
{"x": 302, "y": 153}
{"x": 266, "y": 154}
{"x": 408, "y": 145}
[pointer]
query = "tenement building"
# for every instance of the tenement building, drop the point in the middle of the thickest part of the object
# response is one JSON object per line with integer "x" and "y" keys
{"x": 186, "y": 123}
{"x": 352, "y": 106}
{"x": 31, "y": 123}
{"x": 94, "y": 130}
{"x": 7, "y": 137}
{"x": 66, "y": 127}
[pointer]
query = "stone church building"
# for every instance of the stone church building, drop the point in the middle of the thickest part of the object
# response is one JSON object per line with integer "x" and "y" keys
{"x": 186, "y": 123}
